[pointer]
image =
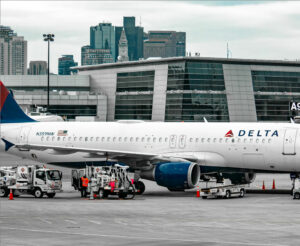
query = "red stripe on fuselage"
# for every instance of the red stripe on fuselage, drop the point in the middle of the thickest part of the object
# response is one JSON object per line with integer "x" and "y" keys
{"x": 3, "y": 94}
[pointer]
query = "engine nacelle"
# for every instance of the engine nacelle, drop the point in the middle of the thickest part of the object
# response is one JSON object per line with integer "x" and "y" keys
{"x": 240, "y": 178}
{"x": 174, "y": 175}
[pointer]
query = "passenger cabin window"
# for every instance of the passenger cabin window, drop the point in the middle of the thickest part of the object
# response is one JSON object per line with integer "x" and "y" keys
{"x": 232, "y": 140}
{"x": 114, "y": 139}
{"x": 215, "y": 140}
{"x": 143, "y": 139}
{"x": 197, "y": 140}
{"x": 166, "y": 140}
{"x": 263, "y": 140}
{"x": 69, "y": 138}
{"x": 80, "y": 139}
{"x": 97, "y": 139}
{"x": 86, "y": 139}
{"x": 42, "y": 138}
{"x": 125, "y": 139}
{"x": 103, "y": 139}
{"x": 220, "y": 140}
{"x": 64, "y": 138}
{"x": 75, "y": 138}
{"x": 202, "y": 140}
{"x": 257, "y": 140}
{"x": 160, "y": 140}
{"x": 131, "y": 139}
{"x": 154, "y": 140}
{"x": 191, "y": 140}
{"x": 269, "y": 140}
{"x": 136, "y": 139}
{"x": 148, "y": 139}
{"x": 120, "y": 139}
{"x": 58, "y": 138}
{"x": 91, "y": 139}
{"x": 208, "y": 140}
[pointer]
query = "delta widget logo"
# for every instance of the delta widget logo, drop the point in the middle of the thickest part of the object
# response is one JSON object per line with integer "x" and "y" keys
{"x": 229, "y": 134}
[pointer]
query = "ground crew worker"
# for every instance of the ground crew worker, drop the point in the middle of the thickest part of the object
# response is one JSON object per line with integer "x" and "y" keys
{"x": 84, "y": 186}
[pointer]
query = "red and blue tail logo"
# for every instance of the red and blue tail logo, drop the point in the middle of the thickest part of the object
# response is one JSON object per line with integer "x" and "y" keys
{"x": 229, "y": 134}
{"x": 10, "y": 111}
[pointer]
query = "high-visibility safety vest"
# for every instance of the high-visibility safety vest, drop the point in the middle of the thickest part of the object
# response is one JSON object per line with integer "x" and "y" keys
{"x": 85, "y": 182}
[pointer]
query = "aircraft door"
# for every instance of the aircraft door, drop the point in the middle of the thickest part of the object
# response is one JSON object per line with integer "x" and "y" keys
{"x": 24, "y": 135}
{"x": 289, "y": 141}
{"x": 173, "y": 139}
{"x": 182, "y": 141}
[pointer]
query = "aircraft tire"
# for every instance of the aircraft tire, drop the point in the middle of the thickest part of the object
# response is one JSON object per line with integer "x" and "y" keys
{"x": 139, "y": 187}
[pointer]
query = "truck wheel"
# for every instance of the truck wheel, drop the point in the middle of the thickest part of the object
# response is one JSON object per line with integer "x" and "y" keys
{"x": 4, "y": 192}
{"x": 38, "y": 193}
{"x": 50, "y": 195}
{"x": 139, "y": 187}
{"x": 228, "y": 194}
{"x": 297, "y": 195}
{"x": 105, "y": 193}
{"x": 122, "y": 195}
{"x": 242, "y": 193}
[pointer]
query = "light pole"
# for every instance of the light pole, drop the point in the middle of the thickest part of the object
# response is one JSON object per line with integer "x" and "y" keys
{"x": 49, "y": 38}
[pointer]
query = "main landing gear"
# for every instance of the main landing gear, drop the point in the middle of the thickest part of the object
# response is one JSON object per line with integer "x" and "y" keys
{"x": 139, "y": 187}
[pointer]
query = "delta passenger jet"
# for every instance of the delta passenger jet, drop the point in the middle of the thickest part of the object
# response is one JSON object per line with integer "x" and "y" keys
{"x": 175, "y": 155}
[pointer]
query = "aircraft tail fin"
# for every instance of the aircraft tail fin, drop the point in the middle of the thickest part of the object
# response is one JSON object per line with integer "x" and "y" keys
{"x": 10, "y": 111}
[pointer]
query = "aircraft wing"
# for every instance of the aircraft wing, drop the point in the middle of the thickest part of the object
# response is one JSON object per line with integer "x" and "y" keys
{"x": 203, "y": 158}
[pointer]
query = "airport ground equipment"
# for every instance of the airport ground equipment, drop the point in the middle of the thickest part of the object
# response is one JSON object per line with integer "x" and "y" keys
{"x": 296, "y": 188}
{"x": 224, "y": 189}
{"x": 105, "y": 181}
{"x": 30, "y": 179}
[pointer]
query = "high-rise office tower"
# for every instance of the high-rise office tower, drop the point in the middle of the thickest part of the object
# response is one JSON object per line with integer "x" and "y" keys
{"x": 13, "y": 52}
{"x": 37, "y": 68}
{"x": 134, "y": 35}
{"x": 165, "y": 44}
{"x": 102, "y": 48}
{"x": 103, "y": 37}
{"x": 123, "y": 48}
{"x": 64, "y": 64}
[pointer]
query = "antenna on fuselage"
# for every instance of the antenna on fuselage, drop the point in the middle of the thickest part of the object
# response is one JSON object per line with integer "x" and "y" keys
{"x": 292, "y": 121}
{"x": 205, "y": 120}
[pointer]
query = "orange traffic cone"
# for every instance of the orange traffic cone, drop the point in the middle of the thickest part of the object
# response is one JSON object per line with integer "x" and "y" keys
{"x": 263, "y": 186}
{"x": 273, "y": 186}
{"x": 11, "y": 196}
{"x": 198, "y": 191}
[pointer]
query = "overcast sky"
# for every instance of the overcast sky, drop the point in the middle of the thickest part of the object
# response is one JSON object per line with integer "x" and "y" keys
{"x": 253, "y": 29}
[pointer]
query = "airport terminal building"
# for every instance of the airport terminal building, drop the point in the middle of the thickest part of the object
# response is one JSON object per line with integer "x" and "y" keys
{"x": 190, "y": 88}
{"x": 168, "y": 89}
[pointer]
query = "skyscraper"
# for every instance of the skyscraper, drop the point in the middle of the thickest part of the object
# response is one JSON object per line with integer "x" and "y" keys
{"x": 123, "y": 48}
{"x": 102, "y": 48}
{"x": 13, "y": 52}
{"x": 134, "y": 35}
{"x": 103, "y": 37}
{"x": 165, "y": 44}
{"x": 37, "y": 68}
{"x": 64, "y": 64}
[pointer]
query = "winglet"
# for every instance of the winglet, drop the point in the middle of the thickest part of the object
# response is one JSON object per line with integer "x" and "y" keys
{"x": 8, "y": 144}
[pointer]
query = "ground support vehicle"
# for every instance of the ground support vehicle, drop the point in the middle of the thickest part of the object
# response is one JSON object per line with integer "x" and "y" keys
{"x": 223, "y": 190}
{"x": 7, "y": 178}
{"x": 105, "y": 181}
{"x": 32, "y": 180}
{"x": 296, "y": 188}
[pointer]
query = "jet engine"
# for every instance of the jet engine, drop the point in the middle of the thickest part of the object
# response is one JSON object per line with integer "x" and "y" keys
{"x": 174, "y": 175}
{"x": 240, "y": 178}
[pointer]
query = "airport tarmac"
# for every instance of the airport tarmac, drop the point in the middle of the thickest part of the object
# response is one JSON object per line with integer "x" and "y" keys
{"x": 158, "y": 217}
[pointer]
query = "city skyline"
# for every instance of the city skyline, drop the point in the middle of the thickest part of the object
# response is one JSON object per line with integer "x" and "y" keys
{"x": 262, "y": 30}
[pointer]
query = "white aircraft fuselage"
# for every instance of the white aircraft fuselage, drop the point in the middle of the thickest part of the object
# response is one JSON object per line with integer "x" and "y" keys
{"x": 270, "y": 147}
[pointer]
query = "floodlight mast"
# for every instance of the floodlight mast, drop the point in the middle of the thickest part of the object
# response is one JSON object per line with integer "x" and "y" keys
{"x": 48, "y": 38}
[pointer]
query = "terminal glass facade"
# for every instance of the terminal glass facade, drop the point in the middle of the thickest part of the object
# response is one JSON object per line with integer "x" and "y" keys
{"x": 196, "y": 90}
{"x": 273, "y": 92}
{"x": 133, "y": 107}
{"x": 71, "y": 111}
{"x": 134, "y": 95}
{"x": 135, "y": 81}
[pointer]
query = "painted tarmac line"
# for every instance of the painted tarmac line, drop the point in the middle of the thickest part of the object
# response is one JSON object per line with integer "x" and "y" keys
{"x": 140, "y": 238}
{"x": 46, "y": 221}
{"x": 71, "y": 221}
{"x": 95, "y": 222}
